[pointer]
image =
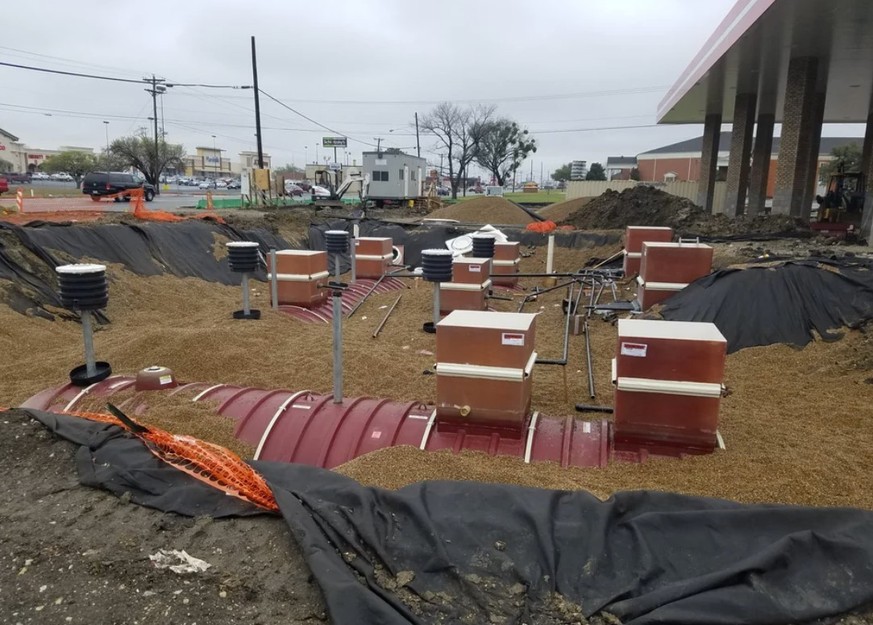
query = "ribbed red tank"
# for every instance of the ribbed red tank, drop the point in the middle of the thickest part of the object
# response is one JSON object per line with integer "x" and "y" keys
{"x": 323, "y": 313}
{"x": 307, "y": 428}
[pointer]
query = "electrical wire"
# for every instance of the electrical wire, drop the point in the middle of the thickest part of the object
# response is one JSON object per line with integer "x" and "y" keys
{"x": 319, "y": 124}
{"x": 114, "y": 79}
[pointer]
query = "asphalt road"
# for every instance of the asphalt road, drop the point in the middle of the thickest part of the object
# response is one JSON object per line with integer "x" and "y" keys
{"x": 172, "y": 198}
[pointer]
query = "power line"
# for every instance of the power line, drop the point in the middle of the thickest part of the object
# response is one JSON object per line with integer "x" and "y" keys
{"x": 497, "y": 100}
{"x": 319, "y": 124}
{"x": 114, "y": 79}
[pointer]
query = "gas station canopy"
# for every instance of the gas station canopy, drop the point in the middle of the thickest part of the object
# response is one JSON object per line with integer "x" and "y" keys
{"x": 750, "y": 51}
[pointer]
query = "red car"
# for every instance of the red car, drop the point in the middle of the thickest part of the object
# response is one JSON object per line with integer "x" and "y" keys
{"x": 4, "y": 185}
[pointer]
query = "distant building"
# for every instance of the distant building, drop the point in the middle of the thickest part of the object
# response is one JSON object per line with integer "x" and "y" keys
{"x": 248, "y": 159}
{"x": 620, "y": 167}
{"x": 24, "y": 158}
{"x": 578, "y": 170}
{"x": 681, "y": 161}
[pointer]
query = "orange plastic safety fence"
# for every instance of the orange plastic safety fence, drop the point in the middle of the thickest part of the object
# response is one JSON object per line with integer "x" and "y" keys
{"x": 212, "y": 464}
{"x": 544, "y": 227}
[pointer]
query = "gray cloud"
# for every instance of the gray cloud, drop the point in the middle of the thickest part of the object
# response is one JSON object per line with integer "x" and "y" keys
{"x": 390, "y": 57}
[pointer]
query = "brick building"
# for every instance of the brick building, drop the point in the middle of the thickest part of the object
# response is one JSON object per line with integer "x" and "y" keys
{"x": 681, "y": 161}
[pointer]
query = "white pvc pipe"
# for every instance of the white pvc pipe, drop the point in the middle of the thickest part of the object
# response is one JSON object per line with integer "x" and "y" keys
{"x": 550, "y": 254}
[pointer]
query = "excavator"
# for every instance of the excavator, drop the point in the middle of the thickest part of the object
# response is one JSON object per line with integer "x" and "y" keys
{"x": 841, "y": 207}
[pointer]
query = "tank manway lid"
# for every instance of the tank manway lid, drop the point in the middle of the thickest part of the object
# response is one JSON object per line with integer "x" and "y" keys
{"x": 80, "y": 268}
{"x": 243, "y": 244}
{"x": 437, "y": 252}
{"x": 342, "y": 233}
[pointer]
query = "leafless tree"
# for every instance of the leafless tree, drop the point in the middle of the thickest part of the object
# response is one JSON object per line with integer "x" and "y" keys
{"x": 457, "y": 131}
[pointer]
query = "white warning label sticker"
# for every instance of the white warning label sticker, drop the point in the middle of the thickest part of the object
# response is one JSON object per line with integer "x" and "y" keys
{"x": 513, "y": 338}
{"x": 637, "y": 350}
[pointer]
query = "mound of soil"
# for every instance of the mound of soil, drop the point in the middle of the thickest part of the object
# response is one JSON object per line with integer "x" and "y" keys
{"x": 647, "y": 206}
{"x": 640, "y": 205}
{"x": 560, "y": 211}
{"x": 484, "y": 210}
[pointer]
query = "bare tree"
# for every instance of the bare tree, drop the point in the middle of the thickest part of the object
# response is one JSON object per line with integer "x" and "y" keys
{"x": 458, "y": 131}
{"x": 139, "y": 152}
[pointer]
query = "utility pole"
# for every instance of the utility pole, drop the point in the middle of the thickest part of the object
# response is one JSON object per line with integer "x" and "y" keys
{"x": 257, "y": 105}
{"x": 378, "y": 141}
{"x": 417, "y": 142}
{"x": 155, "y": 91}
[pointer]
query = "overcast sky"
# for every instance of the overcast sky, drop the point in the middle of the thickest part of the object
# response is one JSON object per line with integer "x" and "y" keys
{"x": 360, "y": 67}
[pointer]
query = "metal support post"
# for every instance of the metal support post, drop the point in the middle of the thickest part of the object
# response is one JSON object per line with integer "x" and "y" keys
{"x": 274, "y": 279}
{"x": 88, "y": 336}
{"x": 336, "y": 267}
{"x": 352, "y": 254}
{"x": 337, "y": 347}
{"x": 436, "y": 304}
{"x": 245, "y": 293}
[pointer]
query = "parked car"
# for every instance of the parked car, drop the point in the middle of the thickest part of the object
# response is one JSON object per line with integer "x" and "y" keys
{"x": 293, "y": 189}
{"x": 234, "y": 184}
{"x": 444, "y": 191}
{"x": 38, "y": 175}
{"x": 17, "y": 178}
{"x": 206, "y": 184}
{"x": 100, "y": 183}
{"x": 220, "y": 184}
{"x": 4, "y": 186}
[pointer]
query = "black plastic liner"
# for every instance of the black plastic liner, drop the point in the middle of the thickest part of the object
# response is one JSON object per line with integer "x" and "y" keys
{"x": 182, "y": 249}
{"x": 786, "y": 303}
{"x": 453, "y": 552}
{"x": 418, "y": 238}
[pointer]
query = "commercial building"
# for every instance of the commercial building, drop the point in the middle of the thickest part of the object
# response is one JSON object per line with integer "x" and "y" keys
{"x": 799, "y": 63}
{"x": 681, "y": 161}
{"x": 23, "y": 158}
{"x": 209, "y": 162}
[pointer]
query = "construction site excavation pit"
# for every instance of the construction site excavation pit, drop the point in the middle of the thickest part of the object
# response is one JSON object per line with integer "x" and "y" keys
{"x": 772, "y": 417}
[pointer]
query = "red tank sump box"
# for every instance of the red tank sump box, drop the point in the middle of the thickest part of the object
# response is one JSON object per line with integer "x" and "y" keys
{"x": 483, "y": 370}
{"x": 634, "y": 238}
{"x": 507, "y": 256}
{"x": 469, "y": 285}
{"x": 667, "y": 268}
{"x": 668, "y": 377}
{"x": 373, "y": 256}
{"x": 301, "y": 276}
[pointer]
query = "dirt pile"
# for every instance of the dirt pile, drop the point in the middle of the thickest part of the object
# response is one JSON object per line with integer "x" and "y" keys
{"x": 484, "y": 210}
{"x": 648, "y": 206}
{"x": 560, "y": 211}
{"x": 640, "y": 205}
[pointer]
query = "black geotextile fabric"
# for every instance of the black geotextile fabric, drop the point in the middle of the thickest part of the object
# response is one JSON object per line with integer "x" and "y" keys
{"x": 182, "y": 249}
{"x": 451, "y": 552}
{"x": 417, "y": 238}
{"x": 785, "y": 303}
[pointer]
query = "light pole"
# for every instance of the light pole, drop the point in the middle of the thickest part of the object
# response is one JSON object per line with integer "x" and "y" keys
{"x": 305, "y": 156}
{"x": 213, "y": 156}
{"x": 316, "y": 151}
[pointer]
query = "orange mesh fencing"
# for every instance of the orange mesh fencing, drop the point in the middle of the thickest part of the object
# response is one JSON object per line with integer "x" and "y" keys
{"x": 545, "y": 227}
{"x": 212, "y": 464}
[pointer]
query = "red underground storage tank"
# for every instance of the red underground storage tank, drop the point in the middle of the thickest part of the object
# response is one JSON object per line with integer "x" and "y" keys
{"x": 308, "y": 428}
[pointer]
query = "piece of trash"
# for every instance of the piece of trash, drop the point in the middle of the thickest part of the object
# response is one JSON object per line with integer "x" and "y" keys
{"x": 424, "y": 352}
{"x": 405, "y": 347}
{"x": 178, "y": 561}
{"x": 363, "y": 318}
{"x": 383, "y": 307}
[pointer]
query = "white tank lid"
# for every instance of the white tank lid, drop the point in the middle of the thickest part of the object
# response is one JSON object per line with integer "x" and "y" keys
{"x": 340, "y": 232}
{"x": 80, "y": 268}
{"x": 243, "y": 244}
{"x": 437, "y": 252}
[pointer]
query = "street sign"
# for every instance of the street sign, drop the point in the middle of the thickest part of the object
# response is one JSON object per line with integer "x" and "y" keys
{"x": 334, "y": 142}
{"x": 335, "y": 166}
